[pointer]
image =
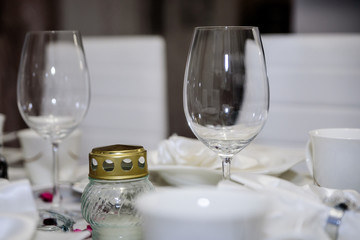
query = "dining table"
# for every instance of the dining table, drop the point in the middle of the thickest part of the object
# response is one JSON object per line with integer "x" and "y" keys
{"x": 287, "y": 178}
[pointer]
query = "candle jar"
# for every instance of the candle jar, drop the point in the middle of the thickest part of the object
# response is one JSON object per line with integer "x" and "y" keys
{"x": 118, "y": 174}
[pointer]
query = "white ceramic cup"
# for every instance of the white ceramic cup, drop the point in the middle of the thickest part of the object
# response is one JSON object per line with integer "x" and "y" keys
{"x": 333, "y": 157}
{"x": 193, "y": 214}
{"x": 37, "y": 154}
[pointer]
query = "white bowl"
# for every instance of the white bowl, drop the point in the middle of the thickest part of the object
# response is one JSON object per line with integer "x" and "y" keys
{"x": 202, "y": 213}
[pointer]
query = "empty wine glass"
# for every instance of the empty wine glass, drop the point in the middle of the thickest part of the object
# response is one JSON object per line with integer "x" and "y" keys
{"x": 226, "y": 90}
{"x": 53, "y": 96}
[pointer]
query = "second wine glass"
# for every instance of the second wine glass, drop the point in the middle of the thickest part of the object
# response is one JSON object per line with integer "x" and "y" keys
{"x": 226, "y": 90}
{"x": 53, "y": 90}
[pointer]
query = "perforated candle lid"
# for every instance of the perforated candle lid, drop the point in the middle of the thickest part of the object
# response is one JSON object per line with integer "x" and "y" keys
{"x": 117, "y": 162}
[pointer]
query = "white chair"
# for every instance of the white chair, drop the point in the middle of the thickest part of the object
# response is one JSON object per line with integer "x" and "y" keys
{"x": 314, "y": 83}
{"x": 128, "y": 92}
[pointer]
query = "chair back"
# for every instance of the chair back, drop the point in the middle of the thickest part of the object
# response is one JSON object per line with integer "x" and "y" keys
{"x": 314, "y": 83}
{"x": 128, "y": 92}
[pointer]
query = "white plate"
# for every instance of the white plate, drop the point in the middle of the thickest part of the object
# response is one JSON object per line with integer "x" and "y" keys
{"x": 186, "y": 175}
{"x": 269, "y": 160}
{"x": 80, "y": 186}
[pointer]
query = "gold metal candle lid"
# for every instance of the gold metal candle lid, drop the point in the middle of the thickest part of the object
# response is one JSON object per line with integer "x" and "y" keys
{"x": 117, "y": 162}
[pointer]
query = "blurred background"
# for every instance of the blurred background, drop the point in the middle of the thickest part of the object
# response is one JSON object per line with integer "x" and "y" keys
{"x": 174, "y": 20}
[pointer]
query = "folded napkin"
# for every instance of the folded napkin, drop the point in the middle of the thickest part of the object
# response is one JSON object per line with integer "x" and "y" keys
{"x": 18, "y": 214}
{"x": 182, "y": 151}
{"x": 300, "y": 212}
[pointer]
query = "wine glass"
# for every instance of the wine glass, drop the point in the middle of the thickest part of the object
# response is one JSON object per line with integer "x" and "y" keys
{"x": 53, "y": 96}
{"x": 226, "y": 89}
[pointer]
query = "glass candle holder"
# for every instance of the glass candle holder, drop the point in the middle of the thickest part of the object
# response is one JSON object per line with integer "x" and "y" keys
{"x": 118, "y": 174}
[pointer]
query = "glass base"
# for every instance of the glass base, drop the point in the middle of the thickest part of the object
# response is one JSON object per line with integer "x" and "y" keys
{"x": 51, "y": 220}
{"x": 117, "y": 232}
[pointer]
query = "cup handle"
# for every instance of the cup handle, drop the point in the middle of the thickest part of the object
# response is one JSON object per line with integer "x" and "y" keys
{"x": 308, "y": 157}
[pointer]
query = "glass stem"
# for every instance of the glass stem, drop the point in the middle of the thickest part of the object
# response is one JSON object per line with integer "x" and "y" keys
{"x": 56, "y": 189}
{"x": 226, "y": 164}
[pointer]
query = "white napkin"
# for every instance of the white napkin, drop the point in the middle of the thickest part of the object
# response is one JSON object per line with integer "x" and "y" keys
{"x": 184, "y": 151}
{"x": 42, "y": 235}
{"x": 177, "y": 150}
{"x": 300, "y": 212}
{"x": 18, "y": 214}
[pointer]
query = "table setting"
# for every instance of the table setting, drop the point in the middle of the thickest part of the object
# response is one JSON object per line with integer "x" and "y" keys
{"x": 180, "y": 155}
{"x": 223, "y": 184}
